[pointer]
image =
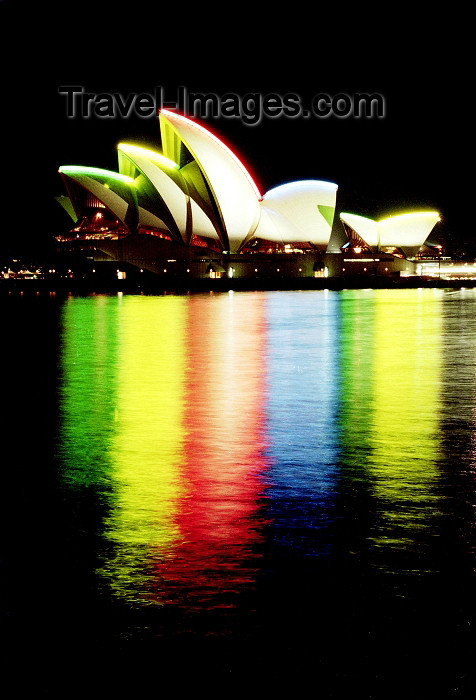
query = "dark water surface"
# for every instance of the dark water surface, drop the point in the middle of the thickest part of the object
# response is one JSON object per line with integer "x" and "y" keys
{"x": 270, "y": 493}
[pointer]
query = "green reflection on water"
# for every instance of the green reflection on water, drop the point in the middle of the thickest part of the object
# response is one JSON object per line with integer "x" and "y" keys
{"x": 356, "y": 399}
{"x": 124, "y": 426}
{"x": 88, "y": 390}
{"x": 121, "y": 433}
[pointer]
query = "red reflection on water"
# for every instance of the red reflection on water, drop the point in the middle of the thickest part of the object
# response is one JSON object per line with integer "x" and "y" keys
{"x": 219, "y": 518}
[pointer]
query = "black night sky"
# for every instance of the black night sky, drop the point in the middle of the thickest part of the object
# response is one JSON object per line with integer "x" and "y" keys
{"x": 415, "y": 156}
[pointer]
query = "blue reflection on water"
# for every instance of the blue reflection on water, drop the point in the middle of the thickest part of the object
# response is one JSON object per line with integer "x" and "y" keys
{"x": 302, "y": 404}
{"x": 340, "y": 483}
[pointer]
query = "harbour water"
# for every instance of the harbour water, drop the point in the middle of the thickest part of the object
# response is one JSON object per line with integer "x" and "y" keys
{"x": 240, "y": 492}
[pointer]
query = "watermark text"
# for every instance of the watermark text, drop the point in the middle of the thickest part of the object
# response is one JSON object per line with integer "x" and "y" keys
{"x": 250, "y": 108}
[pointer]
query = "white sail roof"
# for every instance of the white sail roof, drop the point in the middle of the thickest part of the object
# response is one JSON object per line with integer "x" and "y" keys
{"x": 232, "y": 187}
{"x": 407, "y": 231}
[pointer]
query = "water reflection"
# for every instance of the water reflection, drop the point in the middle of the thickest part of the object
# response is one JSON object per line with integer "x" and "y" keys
{"x": 405, "y": 421}
{"x": 390, "y": 421}
{"x": 303, "y": 337}
{"x": 162, "y": 410}
{"x": 355, "y": 358}
{"x": 146, "y": 448}
{"x": 197, "y": 429}
{"x": 279, "y": 482}
{"x": 458, "y": 415}
{"x": 88, "y": 391}
{"x": 224, "y": 452}
{"x": 355, "y": 488}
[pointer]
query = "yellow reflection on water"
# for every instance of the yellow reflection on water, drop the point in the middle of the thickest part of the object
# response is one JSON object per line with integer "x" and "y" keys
{"x": 404, "y": 429}
{"x": 163, "y": 436}
{"x": 146, "y": 450}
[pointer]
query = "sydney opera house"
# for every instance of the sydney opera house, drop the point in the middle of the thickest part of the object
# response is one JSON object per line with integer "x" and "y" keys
{"x": 193, "y": 211}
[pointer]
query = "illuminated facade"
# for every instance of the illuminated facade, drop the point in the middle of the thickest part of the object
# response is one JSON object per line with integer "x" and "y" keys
{"x": 194, "y": 211}
{"x": 401, "y": 235}
{"x": 194, "y": 206}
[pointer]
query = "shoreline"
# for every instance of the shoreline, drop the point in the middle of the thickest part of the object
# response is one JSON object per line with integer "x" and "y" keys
{"x": 173, "y": 286}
